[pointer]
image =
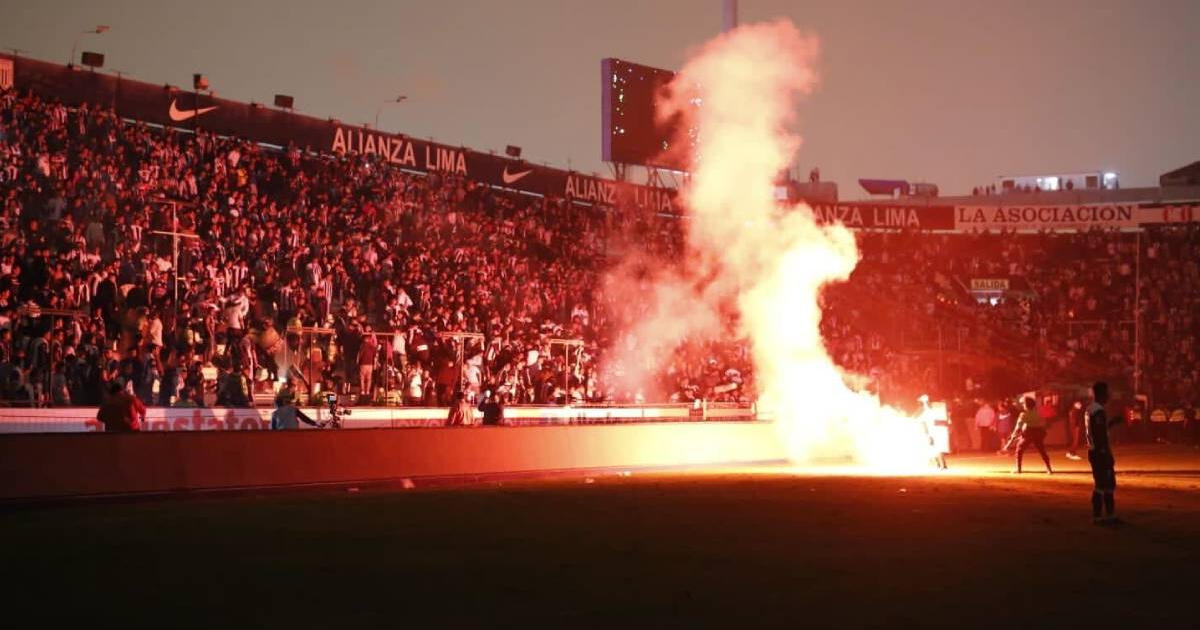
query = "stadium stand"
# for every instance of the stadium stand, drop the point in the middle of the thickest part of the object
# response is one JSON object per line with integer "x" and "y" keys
{"x": 300, "y": 258}
{"x": 343, "y": 271}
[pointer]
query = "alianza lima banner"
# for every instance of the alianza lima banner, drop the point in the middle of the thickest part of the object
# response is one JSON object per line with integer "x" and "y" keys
{"x": 1063, "y": 217}
{"x": 173, "y": 107}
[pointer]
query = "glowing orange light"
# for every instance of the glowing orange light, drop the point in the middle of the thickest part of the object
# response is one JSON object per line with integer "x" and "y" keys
{"x": 770, "y": 261}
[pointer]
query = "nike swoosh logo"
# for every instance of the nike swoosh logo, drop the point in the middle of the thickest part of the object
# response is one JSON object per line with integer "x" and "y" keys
{"x": 510, "y": 178}
{"x": 179, "y": 115}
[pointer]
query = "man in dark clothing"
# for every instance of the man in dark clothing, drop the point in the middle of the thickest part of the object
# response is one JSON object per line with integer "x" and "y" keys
{"x": 132, "y": 369}
{"x": 287, "y": 416}
{"x": 446, "y": 380}
{"x": 1031, "y": 431}
{"x": 121, "y": 412}
{"x": 492, "y": 409}
{"x": 1096, "y": 425}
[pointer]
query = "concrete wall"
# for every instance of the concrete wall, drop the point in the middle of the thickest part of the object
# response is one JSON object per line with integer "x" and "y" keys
{"x": 53, "y": 465}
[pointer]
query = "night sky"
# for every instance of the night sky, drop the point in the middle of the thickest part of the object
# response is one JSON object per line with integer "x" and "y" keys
{"x": 952, "y": 92}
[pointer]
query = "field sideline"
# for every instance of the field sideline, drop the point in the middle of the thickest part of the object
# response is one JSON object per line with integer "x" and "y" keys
{"x": 720, "y": 548}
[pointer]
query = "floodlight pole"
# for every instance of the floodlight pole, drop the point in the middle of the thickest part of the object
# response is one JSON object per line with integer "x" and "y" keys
{"x": 75, "y": 45}
{"x": 1137, "y": 318}
{"x": 729, "y": 15}
{"x": 390, "y": 101}
{"x": 117, "y": 91}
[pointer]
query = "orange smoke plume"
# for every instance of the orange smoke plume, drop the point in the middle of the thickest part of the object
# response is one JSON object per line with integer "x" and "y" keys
{"x": 739, "y": 93}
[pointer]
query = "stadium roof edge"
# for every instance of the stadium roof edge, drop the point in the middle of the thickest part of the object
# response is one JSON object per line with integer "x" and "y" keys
{"x": 1152, "y": 194}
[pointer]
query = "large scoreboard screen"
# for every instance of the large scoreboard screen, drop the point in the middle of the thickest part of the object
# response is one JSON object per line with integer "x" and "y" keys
{"x": 631, "y": 133}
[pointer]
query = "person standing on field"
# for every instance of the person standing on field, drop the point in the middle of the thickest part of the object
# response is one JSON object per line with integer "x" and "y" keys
{"x": 985, "y": 421}
{"x": 1031, "y": 427}
{"x": 1075, "y": 430}
{"x": 1096, "y": 424}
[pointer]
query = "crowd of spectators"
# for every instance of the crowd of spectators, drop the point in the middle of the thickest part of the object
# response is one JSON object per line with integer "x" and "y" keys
{"x": 337, "y": 272}
{"x": 333, "y": 272}
{"x": 1070, "y": 314}
{"x": 991, "y": 189}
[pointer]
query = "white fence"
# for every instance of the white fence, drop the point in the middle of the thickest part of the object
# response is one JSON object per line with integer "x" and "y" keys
{"x": 83, "y": 419}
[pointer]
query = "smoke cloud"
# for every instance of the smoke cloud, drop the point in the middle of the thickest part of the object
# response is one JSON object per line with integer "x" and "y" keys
{"x": 753, "y": 268}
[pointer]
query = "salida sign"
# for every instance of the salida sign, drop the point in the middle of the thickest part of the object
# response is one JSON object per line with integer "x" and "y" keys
{"x": 987, "y": 285}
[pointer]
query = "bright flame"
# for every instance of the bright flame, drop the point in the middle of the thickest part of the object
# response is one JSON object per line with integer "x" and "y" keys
{"x": 770, "y": 262}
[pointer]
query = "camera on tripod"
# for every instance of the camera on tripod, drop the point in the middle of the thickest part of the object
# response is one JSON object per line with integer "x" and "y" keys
{"x": 336, "y": 412}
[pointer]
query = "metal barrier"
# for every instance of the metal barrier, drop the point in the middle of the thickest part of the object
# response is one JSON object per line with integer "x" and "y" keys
{"x": 83, "y": 419}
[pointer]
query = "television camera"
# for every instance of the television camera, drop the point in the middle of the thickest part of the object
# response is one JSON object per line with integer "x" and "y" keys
{"x": 336, "y": 412}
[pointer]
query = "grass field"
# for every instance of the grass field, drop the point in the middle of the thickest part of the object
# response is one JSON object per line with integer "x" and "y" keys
{"x": 717, "y": 548}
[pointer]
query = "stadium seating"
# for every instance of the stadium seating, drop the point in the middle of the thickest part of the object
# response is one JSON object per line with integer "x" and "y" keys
{"x": 340, "y": 273}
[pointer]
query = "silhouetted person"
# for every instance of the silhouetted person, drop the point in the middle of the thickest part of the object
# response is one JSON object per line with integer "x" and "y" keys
{"x": 121, "y": 411}
{"x": 492, "y": 409}
{"x": 1075, "y": 430}
{"x": 985, "y": 421}
{"x": 287, "y": 416}
{"x": 1031, "y": 427}
{"x": 1096, "y": 424}
{"x": 461, "y": 413}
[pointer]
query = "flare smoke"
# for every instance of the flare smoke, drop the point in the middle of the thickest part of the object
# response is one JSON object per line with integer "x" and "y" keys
{"x": 765, "y": 262}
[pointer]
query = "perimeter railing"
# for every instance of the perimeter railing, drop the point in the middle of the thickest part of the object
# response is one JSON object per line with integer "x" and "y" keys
{"x": 83, "y": 419}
